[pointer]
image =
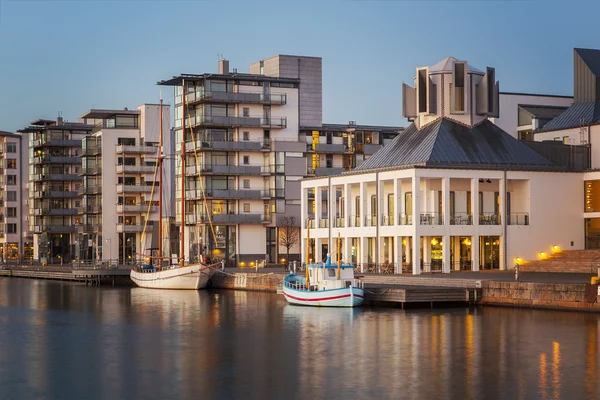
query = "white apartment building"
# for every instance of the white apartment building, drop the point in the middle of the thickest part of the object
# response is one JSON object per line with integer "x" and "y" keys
{"x": 118, "y": 213}
{"x": 451, "y": 192}
{"x": 16, "y": 243}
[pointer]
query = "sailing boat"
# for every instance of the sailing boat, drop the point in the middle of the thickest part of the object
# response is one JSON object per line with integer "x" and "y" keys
{"x": 192, "y": 276}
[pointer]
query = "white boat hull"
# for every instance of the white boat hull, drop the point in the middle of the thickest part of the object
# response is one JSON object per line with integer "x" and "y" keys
{"x": 345, "y": 297}
{"x": 192, "y": 277}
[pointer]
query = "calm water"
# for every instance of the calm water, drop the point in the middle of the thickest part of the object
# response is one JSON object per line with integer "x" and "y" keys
{"x": 65, "y": 341}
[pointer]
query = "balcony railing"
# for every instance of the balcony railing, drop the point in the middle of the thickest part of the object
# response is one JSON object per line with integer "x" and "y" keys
{"x": 92, "y": 150}
{"x": 489, "y": 219}
{"x": 92, "y": 189}
{"x": 135, "y": 208}
{"x": 91, "y": 170}
{"x": 461, "y": 218}
{"x": 54, "y": 229}
{"x": 329, "y": 148}
{"x": 135, "y": 169}
{"x": 232, "y": 218}
{"x": 56, "y": 160}
{"x": 432, "y": 218}
{"x": 339, "y": 222}
{"x": 249, "y": 121}
{"x": 55, "y": 211}
{"x": 49, "y": 141}
{"x": 95, "y": 209}
{"x": 235, "y": 145}
{"x": 354, "y": 221}
{"x": 519, "y": 218}
{"x": 244, "y": 169}
{"x": 310, "y": 223}
{"x": 133, "y": 149}
{"x": 229, "y": 194}
{"x": 110, "y": 124}
{"x": 57, "y": 177}
{"x": 237, "y": 97}
{"x": 135, "y": 227}
{"x": 387, "y": 219}
{"x": 370, "y": 220}
{"x": 324, "y": 171}
{"x": 60, "y": 194}
{"x": 324, "y": 222}
{"x": 89, "y": 228}
{"x": 134, "y": 189}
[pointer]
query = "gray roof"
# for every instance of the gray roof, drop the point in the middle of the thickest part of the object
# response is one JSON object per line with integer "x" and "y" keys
{"x": 346, "y": 127}
{"x": 447, "y": 144}
{"x": 543, "y": 112}
{"x": 591, "y": 58}
{"x": 587, "y": 113}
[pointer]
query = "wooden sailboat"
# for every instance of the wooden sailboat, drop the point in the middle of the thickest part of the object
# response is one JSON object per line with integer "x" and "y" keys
{"x": 191, "y": 276}
{"x": 323, "y": 286}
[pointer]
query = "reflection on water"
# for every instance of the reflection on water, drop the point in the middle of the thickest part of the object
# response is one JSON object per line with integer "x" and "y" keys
{"x": 60, "y": 340}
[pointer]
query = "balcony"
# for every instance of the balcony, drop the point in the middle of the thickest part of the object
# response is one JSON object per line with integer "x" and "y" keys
{"x": 489, "y": 219}
{"x": 55, "y": 211}
{"x": 135, "y": 169}
{"x": 92, "y": 151}
{"x": 97, "y": 170}
{"x": 135, "y": 208}
{"x": 354, "y": 221}
{"x": 387, "y": 220}
{"x": 339, "y": 222}
{"x": 89, "y": 228}
{"x": 54, "y": 229}
{"x": 519, "y": 218}
{"x": 134, "y": 189}
{"x": 56, "y": 194}
{"x": 92, "y": 189}
{"x": 129, "y": 228}
{"x": 250, "y": 121}
{"x": 431, "y": 218}
{"x": 324, "y": 222}
{"x": 310, "y": 222}
{"x": 132, "y": 149}
{"x": 324, "y": 171}
{"x": 50, "y": 142}
{"x": 56, "y": 160}
{"x": 110, "y": 124}
{"x": 231, "y": 145}
{"x": 330, "y": 148}
{"x": 57, "y": 177}
{"x": 96, "y": 209}
{"x": 405, "y": 219}
{"x": 245, "y": 169}
{"x": 370, "y": 220}
{"x": 229, "y": 194}
{"x": 237, "y": 97}
{"x": 370, "y": 149}
{"x": 245, "y": 218}
{"x": 461, "y": 219}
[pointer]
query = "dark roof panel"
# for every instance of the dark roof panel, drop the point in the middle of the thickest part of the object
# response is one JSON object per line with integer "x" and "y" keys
{"x": 446, "y": 143}
{"x": 591, "y": 58}
{"x": 587, "y": 113}
{"x": 543, "y": 112}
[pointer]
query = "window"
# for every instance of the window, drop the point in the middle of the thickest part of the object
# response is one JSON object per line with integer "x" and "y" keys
{"x": 246, "y": 136}
{"x": 11, "y": 147}
{"x": 331, "y": 272}
{"x": 11, "y": 163}
{"x": 408, "y": 203}
{"x": 11, "y": 179}
{"x": 329, "y": 160}
{"x": 357, "y": 205}
{"x": 458, "y": 87}
{"x": 246, "y": 207}
{"x": 11, "y": 228}
{"x": 11, "y": 195}
{"x": 565, "y": 139}
{"x": 422, "y": 90}
{"x": 246, "y": 183}
{"x": 246, "y": 160}
{"x": 246, "y": 112}
{"x": 11, "y": 212}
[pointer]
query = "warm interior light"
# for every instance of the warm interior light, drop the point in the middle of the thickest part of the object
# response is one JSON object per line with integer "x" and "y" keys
{"x": 434, "y": 241}
{"x": 555, "y": 248}
{"x": 542, "y": 254}
{"x": 519, "y": 260}
{"x": 404, "y": 242}
{"x": 242, "y": 264}
{"x": 283, "y": 260}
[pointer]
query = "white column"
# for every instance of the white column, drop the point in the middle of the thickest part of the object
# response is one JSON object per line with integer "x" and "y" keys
{"x": 398, "y": 254}
{"x": 362, "y": 252}
{"x": 416, "y": 212}
{"x": 397, "y": 195}
{"x": 347, "y": 204}
{"x": 475, "y": 211}
{"x": 426, "y": 253}
{"x": 318, "y": 204}
{"x": 408, "y": 253}
{"x": 446, "y": 262}
{"x": 503, "y": 221}
{"x": 347, "y": 250}
{"x": 303, "y": 217}
{"x": 318, "y": 256}
{"x": 457, "y": 253}
{"x": 363, "y": 203}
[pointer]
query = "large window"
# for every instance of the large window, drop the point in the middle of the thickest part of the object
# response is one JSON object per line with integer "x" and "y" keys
{"x": 11, "y": 195}
{"x": 458, "y": 87}
{"x": 11, "y": 212}
{"x": 11, "y": 163}
{"x": 11, "y": 179}
{"x": 11, "y": 147}
{"x": 11, "y": 228}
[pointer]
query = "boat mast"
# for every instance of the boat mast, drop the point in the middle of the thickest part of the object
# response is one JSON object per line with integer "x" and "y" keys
{"x": 307, "y": 252}
{"x": 160, "y": 183}
{"x": 339, "y": 260}
{"x": 182, "y": 248}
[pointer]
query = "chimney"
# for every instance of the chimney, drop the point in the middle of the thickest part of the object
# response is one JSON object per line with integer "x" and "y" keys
{"x": 59, "y": 121}
{"x": 223, "y": 67}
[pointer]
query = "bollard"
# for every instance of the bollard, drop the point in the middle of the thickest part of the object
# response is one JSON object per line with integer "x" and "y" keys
{"x": 222, "y": 265}
{"x": 256, "y": 268}
{"x": 517, "y": 272}
{"x": 294, "y": 267}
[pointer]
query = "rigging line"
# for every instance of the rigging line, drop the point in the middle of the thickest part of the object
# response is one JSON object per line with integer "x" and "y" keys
{"x": 149, "y": 208}
{"x": 212, "y": 228}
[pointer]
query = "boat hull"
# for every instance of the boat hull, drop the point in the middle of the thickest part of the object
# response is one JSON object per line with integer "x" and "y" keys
{"x": 192, "y": 277}
{"x": 346, "y": 297}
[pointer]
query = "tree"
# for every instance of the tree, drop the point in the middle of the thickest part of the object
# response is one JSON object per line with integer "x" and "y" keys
{"x": 289, "y": 233}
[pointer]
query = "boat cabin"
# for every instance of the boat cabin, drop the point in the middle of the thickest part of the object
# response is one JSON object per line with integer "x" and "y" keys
{"x": 325, "y": 275}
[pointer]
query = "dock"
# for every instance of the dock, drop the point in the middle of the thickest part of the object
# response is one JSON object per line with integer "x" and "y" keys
{"x": 90, "y": 275}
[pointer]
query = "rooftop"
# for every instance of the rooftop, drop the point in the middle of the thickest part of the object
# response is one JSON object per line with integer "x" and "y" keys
{"x": 447, "y": 64}
{"x": 586, "y": 113}
{"x": 103, "y": 113}
{"x": 543, "y": 112}
{"x": 347, "y": 127}
{"x": 591, "y": 58}
{"x": 177, "y": 80}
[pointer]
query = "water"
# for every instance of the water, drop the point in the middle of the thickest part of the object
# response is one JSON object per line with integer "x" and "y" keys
{"x": 66, "y": 341}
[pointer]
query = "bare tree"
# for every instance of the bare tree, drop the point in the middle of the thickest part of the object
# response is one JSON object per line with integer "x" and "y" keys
{"x": 289, "y": 233}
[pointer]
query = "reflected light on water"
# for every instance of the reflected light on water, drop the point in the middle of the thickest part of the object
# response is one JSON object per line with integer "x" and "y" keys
{"x": 543, "y": 371}
{"x": 556, "y": 369}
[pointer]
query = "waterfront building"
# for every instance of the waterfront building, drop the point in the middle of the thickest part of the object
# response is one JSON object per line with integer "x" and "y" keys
{"x": 252, "y": 134}
{"x": 16, "y": 242}
{"x": 53, "y": 185}
{"x": 453, "y": 191}
{"x": 119, "y": 186}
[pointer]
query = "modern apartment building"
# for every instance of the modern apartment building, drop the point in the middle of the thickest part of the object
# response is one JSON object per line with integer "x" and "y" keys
{"x": 16, "y": 243}
{"x": 251, "y": 134}
{"x": 118, "y": 212}
{"x": 54, "y": 182}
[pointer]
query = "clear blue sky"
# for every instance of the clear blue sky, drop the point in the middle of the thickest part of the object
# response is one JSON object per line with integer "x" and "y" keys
{"x": 71, "y": 56}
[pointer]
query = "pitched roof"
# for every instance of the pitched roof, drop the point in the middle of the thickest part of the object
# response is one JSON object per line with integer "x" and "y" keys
{"x": 591, "y": 58}
{"x": 543, "y": 112}
{"x": 445, "y": 143}
{"x": 586, "y": 113}
{"x": 447, "y": 64}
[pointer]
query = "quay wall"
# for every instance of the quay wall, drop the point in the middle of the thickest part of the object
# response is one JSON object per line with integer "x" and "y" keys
{"x": 258, "y": 282}
{"x": 582, "y": 297}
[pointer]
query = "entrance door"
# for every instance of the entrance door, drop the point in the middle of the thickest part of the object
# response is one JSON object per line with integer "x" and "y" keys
{"x": 489, "y": 252}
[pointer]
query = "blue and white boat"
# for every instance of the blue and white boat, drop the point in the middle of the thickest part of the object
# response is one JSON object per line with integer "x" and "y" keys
{"x": 329, "y": 285}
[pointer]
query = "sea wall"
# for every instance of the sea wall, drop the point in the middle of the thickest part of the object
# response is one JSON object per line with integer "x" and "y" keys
{"x": 259, "y": 282}
{"x": 541, "y": 295}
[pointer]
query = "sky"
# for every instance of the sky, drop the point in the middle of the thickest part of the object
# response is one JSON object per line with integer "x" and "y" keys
{"x": 71, "y": 56}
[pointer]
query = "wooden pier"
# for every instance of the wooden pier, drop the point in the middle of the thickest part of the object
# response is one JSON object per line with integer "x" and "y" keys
{"x": 381, "y": 294}
{"x": 89, "y": 275}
